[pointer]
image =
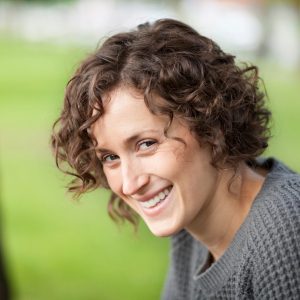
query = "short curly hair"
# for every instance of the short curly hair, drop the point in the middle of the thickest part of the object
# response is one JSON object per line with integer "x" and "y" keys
{"x": 220, "y": 100}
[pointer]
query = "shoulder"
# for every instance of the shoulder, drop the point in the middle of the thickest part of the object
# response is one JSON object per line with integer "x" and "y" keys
{"x": 275, "y": 235}
{"x": 280, "y": 193}
{"x": 275, "y": 215}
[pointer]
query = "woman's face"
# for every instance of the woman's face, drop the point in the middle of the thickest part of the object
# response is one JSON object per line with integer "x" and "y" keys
{"x": 166, "y": 181}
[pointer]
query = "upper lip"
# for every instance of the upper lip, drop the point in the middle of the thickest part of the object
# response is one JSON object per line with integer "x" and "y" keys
{"x": 149, "y": 196}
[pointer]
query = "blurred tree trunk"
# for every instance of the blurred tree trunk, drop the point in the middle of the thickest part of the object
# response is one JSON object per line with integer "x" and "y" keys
{"x": 263, "y": 8}
{"x": 297, "y": 6}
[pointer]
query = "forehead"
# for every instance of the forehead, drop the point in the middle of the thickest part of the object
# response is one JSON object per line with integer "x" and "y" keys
{"x": 125, "y": 113}
{"x": 123, "y": 100}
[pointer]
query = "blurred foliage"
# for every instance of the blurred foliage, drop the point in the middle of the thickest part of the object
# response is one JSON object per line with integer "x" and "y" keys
{"x": 59, "y": 249}
{"x": 170, "y": 2}
{"x": 295, "y": 2}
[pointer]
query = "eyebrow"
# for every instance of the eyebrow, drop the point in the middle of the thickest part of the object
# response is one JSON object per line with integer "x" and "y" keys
{"x": 129, "y": 140}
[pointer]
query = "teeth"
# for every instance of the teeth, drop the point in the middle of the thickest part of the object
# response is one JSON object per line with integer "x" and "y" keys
{"x": 161, "y": 195}
{"x": 152, "y": 202}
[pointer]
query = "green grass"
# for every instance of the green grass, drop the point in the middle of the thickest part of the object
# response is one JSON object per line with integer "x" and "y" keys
{"x": 60, "y": 249}
{"x": 283, "y": 89}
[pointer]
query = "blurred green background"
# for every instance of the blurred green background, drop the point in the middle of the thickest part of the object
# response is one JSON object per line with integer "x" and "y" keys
{"x": 57, "y": 248}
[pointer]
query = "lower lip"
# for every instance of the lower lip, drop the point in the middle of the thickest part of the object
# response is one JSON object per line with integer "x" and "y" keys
{"x": 156, "y": 210}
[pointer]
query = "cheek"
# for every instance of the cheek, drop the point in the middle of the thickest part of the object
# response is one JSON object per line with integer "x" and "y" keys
{"x": 114, "y": 181}
{"x": 168, "y": 159}
{"x": 162, "y": 164}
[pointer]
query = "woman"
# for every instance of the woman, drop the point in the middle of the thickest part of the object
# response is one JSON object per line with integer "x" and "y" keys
{"x": 170, "y": 124}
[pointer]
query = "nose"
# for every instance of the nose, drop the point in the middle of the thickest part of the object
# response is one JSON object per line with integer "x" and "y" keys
{"x": 133, "y": 178}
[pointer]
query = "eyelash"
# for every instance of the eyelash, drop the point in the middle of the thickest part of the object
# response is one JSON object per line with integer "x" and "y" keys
{"x": 104, "y": 157}
{"x": 152, "y": 142}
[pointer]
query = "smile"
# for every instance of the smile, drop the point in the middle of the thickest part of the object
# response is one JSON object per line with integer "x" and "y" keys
{"x": 157, "y": 199}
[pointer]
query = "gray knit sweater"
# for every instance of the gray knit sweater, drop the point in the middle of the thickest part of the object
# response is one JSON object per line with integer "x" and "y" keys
{"x": 263, "y": 260}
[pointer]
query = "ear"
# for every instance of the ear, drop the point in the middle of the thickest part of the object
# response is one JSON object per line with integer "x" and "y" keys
{"x": 219, "y": 137}
{"x": 219, "y": 149}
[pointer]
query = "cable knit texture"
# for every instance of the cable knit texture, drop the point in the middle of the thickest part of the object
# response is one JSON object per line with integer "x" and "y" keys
{"x": 263, "y": 260}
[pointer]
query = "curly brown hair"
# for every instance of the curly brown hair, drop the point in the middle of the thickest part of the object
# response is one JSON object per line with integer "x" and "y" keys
{"x": 220, "y": 101}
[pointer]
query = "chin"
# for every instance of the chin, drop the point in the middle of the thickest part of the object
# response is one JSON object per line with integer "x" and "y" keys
{"x": 163, "y": 231}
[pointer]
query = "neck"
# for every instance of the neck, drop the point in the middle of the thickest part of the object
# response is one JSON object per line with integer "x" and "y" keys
{"x": 217, "y": 224}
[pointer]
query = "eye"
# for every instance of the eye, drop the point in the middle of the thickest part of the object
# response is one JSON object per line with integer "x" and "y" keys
{"x": 145, "y": 145}
{"x": 109, "y": 158}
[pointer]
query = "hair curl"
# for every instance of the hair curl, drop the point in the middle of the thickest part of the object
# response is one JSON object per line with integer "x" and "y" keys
{"x": 220, "y": 101}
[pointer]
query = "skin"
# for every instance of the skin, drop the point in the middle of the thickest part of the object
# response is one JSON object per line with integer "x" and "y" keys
{"x": 139, "y": 161}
